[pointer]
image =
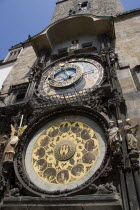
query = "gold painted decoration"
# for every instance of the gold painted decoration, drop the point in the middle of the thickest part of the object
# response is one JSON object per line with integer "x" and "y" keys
{"x": 65, "y": 152}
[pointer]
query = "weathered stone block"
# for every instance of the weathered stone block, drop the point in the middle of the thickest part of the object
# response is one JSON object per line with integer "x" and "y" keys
{"x": 127, "y": 32}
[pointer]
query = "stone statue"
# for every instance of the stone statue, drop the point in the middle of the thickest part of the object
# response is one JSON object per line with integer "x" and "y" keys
{"x": 9, "y": 151}
{"x": 114, "y": 138}
{"x": 73, "y": 46}
{"x": 93, "y": 188}
{"x": 131, "y": 131}
{"x": 14, "y": 192}
{"x": 106, "y": 188}
{"x": 112, "y": 56}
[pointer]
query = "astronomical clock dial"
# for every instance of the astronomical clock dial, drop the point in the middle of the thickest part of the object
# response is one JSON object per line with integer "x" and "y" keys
{"x": 65, "y": 153}
{"x": 73, "y": 75}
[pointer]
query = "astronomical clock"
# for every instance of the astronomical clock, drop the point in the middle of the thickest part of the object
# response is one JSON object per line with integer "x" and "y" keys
{"x": 77, "y": 150}
{"x": 67, "y": 148}
{"x": 73, "y": 75}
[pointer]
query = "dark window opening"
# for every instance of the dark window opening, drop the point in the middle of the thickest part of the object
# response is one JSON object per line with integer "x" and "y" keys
{"x": 83, "y": 6}
{"x": 17, "y": 93}
{"x": 86, "y": 45}
{"x": 13, "y": 55}
{"x": 71, "y": 12}
{"x": 138, "y": 74}
{"x": 63, "y": 50}
{"x": 19, "y": 51}
{"x": 20, "y": 97}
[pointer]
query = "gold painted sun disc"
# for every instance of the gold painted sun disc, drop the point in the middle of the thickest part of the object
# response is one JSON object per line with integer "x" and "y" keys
{"x": 64, "y": 150}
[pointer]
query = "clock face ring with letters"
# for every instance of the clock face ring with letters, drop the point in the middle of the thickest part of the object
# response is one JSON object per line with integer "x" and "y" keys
{"x": 69, "y": 76}
{"x": 65, "y": 76}
{"x": 65, "y": 153}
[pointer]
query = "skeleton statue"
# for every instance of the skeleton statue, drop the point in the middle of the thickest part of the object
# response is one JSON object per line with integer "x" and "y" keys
{"x": 114, "y": 138}
{"x": 9, "y": 151}
{"x": 131, "y": 131}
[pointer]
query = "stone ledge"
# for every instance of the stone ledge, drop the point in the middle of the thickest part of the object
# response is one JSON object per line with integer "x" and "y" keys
{"x": 93, "y": 200}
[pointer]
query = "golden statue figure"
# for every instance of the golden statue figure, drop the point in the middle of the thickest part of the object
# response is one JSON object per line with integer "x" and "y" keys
{"x": 131, "y": 131}
{"x": 9, "y": 151}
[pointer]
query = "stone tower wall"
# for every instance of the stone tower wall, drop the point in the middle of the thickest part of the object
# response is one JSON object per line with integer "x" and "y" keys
{"x": 96, "y": 7}
{"x": 127, "y": 32}
{"x": 20, "y": 70}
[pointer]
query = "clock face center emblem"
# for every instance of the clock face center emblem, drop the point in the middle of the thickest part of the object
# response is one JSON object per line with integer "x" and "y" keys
{"x": 64, "y": 150}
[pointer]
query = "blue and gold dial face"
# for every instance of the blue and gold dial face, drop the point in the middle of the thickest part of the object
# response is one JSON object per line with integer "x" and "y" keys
{"x": 72, "y": 75}
{"x": 65, "y": 76}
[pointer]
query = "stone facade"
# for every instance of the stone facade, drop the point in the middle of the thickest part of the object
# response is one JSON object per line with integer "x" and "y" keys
{"x": 96, "y": 7}
{"x": 62, "y": 10}
{"x": 95, "y": 45}
{"x": 20, "y": 70}
{"x": 127, "y": 33}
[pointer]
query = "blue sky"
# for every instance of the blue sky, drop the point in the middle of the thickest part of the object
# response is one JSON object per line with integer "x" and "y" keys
{"x": 19, "y": 18}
